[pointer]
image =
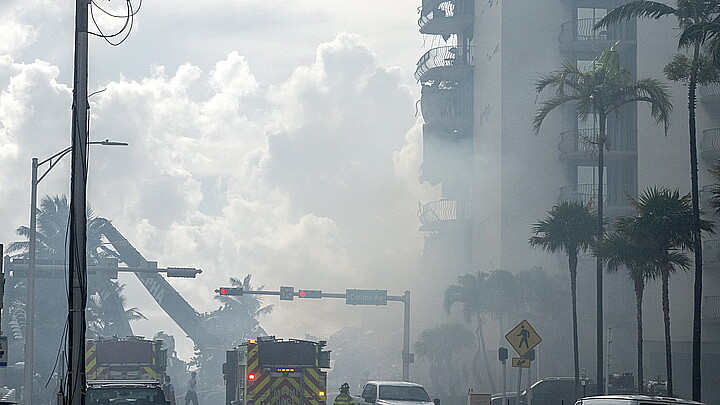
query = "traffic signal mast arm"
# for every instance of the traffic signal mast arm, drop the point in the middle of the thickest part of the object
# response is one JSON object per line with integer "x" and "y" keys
{"x": 298, "y": 293}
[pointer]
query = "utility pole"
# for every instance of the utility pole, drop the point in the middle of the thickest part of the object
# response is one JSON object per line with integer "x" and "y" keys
{"x": 406, "y": 355}
{"x": 77, "y": 279}
{"x": 30, "y": 289}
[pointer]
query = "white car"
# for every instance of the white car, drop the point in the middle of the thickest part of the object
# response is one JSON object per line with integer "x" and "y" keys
{"x": 634, "y": 400}
{"x": 395, "y": 393}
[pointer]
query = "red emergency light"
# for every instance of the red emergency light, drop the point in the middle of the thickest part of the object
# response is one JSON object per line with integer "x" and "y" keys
{"x": 251, "y": 377}
{"x": 252, "y": 341}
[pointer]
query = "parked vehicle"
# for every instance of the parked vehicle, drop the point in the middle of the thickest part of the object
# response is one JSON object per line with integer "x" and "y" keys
{"x": 394, "y": 393}
{"x": 633, "y": 400}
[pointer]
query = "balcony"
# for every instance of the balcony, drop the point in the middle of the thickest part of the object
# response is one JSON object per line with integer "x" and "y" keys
{"x": 579, "y": 35}
{"x": 710, "y": 94}
{"x": 582, "y": 145}
{"x": 711, "y": 251}
{"x": 447, "y": 107}
{"x": 615, "y": 196}
{"x": 710, "y": 145}
{"x": 446, "y": 17}
{"x": 445, "y": 63}
{"x": 438, "y": 215}
{"x": 711, "y": 308}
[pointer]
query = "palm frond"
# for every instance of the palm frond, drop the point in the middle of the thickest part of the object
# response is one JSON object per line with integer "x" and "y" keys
{"x": 635, "y": 9}
{"x": 546, "y": 107}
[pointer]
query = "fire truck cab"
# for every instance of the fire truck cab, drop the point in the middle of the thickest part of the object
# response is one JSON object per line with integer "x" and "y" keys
{"x": 270, "y": 371}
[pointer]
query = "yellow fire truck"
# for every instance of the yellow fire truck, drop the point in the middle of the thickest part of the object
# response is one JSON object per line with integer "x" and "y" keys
{"x": 130, "y": 358}
{"x": 270, "y": 371}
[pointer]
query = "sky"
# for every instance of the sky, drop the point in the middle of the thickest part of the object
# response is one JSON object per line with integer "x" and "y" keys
{"x": 272, "y": 138}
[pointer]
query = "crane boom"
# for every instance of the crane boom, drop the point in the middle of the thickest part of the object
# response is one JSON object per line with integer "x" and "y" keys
{"x": 186, "y": 317}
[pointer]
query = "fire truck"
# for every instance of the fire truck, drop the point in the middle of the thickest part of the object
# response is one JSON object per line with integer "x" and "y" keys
{"x": 129, "y": 358}
{"x": 270, "y": 371}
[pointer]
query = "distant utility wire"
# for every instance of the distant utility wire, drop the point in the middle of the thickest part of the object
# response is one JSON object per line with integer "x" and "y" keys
{"x": 127, "y": 27}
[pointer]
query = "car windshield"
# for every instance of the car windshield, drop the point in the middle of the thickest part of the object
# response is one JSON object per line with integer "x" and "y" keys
{"x": 403, "y": 393}
{"x": 125, "y": 395}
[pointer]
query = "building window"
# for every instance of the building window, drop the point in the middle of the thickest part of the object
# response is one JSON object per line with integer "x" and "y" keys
{"x": 586, "y": 19}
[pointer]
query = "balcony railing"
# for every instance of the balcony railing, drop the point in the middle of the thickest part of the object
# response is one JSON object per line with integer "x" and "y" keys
{"x": 710, "y": 144}
{"x": 711, "y": 308}
{"x": 614, "y": 195}
{"x": 437, "y": 214}
{"x": 435, "y": 11}
{"x": 585, "y": 140}
{"x": 711, "y": 250}
{"x": 445, "y": 57}
{"x": 710, "y": 94}
{"x": 712, "y": 89}
{"x": 581, "y": 30}
{"x": 442, "y": 105}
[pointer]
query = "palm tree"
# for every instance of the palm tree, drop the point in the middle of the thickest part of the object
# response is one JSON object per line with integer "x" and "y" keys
{"x": 238, "y": 315}
{"x": 620, "y": 248}
{"x": 51, "y": 233}
{"x": 664, "y": 222}
{"x": 442, "y": 346}
{"x": 698, "y": 21}
{"x": 501, "y": 286}
{"x": 469, "y": 292}
{"x": 100, "y": 323}
{"x": 599, "y": 92}
{"x": 569, "y": 227}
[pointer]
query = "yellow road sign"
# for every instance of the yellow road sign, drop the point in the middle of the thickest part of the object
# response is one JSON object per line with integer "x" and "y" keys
{"x": 520, "y": 362}
{"x": 523, "y": 338}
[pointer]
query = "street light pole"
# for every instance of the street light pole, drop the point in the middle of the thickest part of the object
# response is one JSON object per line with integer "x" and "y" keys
{"x": 32, "y": 254}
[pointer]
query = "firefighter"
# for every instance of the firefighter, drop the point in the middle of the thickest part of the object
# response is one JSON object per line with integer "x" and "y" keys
{"x": 344, "y": 397}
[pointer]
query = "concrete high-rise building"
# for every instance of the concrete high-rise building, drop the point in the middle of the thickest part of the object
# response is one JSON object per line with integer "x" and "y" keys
{"x": 498, "y": 177}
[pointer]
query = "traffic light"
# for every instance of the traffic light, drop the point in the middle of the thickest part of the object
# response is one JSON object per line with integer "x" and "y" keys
{"x": 502, "y": 353}
{"x": 310, "y": 294}
{"x": 230, "y": 291}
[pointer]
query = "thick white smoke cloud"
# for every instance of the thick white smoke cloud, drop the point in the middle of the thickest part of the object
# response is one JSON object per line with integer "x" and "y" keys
{"x": 308, "y": 181}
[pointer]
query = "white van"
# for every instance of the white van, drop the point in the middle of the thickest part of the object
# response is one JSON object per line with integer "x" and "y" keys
{"x": 633, "y": 400}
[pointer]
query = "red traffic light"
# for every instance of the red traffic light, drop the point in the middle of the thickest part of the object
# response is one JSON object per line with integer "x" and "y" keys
{"x": 230, "y": 291}
{"x": 251, "y": 377}
{"x": 310, "y": 294}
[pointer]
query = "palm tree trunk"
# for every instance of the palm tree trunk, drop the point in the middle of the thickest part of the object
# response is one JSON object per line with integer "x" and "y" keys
{"x": 481, "y": 337}
{"x": 666, "y": 321}
{"x": 639, "y": 288}
{"x": 572, "y": 263}
{"x": 600, "y": 232}
{"x": 697, "y": 239}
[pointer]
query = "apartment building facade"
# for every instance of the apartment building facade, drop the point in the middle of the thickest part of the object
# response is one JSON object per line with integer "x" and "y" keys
{"x": 498, "y": 176}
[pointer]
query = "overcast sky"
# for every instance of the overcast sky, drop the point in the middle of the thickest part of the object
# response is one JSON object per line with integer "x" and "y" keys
{"x": 276, "y": 138}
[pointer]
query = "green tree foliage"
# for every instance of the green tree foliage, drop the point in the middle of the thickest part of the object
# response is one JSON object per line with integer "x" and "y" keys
{"x": 475, "y": 306}
{"x": 570, "y": 228}
{"x": 622, "y": 248}
{"x": 443, "y": 347}
{"x": 699, "y": 25}
{"x": 598, "y": 92}
{"x": 663, "y": 222}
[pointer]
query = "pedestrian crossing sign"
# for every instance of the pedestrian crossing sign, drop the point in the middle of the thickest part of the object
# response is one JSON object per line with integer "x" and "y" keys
{"x": 520, "y": 362}
{"x": 523, "y": 337}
